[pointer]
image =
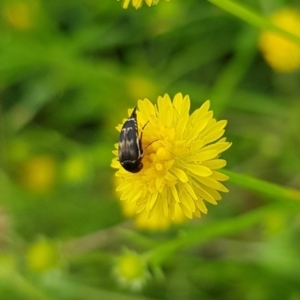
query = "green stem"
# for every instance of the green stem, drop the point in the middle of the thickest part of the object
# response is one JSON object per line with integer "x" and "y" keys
{"x": 263, "y": 187}
{"x": 230, "y": 226}
{"x": 253, "y": 18}
{"x": 234, "y": 71}
{"x": 206, "y": 233}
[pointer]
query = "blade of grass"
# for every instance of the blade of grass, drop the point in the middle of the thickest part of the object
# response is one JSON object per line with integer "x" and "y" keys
{"x": 230, "y": 226}
{"x": 271, "y": 190}
{"x": 234, "y": 71}
{"x": 23, "y": 286}
{"x": 253, "y": 18}
{"x": 207, "y": 232}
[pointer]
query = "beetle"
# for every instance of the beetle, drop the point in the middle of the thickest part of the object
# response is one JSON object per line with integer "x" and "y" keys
{"x": 130, "y": 149}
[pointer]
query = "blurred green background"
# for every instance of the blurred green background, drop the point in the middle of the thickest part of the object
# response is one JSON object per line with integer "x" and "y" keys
{"x": 69, "y": 70}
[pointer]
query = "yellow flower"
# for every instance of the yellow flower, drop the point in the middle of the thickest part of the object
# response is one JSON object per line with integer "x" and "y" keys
{"x": 181, "y": 159}
{"x": 21, "y": 14}
{"x": 157, "y": 222}
{"x": 275, "y": 222}
{"x": 138, "y": 3}
{"x": 42, "y": 256}
{"x": 38, "y": 174}
{"x": 75, "y": 170}
{"x": 139, "y": 86}
{"x": 131, "y": 271}
{"x": 280, "y": 53}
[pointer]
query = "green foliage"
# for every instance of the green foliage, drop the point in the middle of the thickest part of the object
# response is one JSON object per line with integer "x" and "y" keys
{"x": 69, "y": 70}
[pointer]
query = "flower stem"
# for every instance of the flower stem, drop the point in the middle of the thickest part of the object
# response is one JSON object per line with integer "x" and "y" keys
{"x": 253, "y": 18}
{"x": 207, "y": 232}
{"x": 266, "y": 188}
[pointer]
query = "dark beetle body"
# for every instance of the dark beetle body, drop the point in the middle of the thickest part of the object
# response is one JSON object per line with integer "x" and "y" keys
{"x": 130, "y": 146}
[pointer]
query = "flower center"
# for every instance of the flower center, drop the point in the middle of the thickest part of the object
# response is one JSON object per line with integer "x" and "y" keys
{"x": 163, "y": 154}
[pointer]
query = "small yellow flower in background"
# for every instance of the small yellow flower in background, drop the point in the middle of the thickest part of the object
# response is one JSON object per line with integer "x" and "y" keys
{"x": 167, "y": 18}
{"x": 42, "y": 256}
{"x": 75, "y": 170}
{"x": 38, "y": 174}
{"x": 20, "y": 14}
{"x": 131, "y": 271}
{"x": 138, "y": 3}
{"x": 275, "y": 222}
{"x": 139, "y": 86}
{"x": 181, "y": 159}
{"x": 280, "y": 53}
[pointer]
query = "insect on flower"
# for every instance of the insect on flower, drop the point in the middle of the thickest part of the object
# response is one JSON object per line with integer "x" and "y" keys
{"x": 180, "y": 171}
{"x": 130, "y": 145}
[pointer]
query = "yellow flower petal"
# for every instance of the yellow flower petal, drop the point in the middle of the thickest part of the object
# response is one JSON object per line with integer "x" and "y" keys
{"x": 187, "y": 201}
{"x": 203, "y": 156}
{"x": 206, "y": 195}
{"x": 138, "y": 3}
{"x": 219, "y": 176}
{"x": 198, "y": 169}
{"x": 190, "y": 190}
{"x": 186, "y": 211}
{"x": 175, "y": 193}
{"x": 213, "y": 136}
{"x": 200, "y": 204}
{"x": 180, "y": 174}
{"x": 215, "y": 164}
{"x": 214, "y": 184}
{"x": 165, "y": 110}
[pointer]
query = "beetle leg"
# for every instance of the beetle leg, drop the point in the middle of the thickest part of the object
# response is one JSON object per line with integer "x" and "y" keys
{"x": 140, "y": 140}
